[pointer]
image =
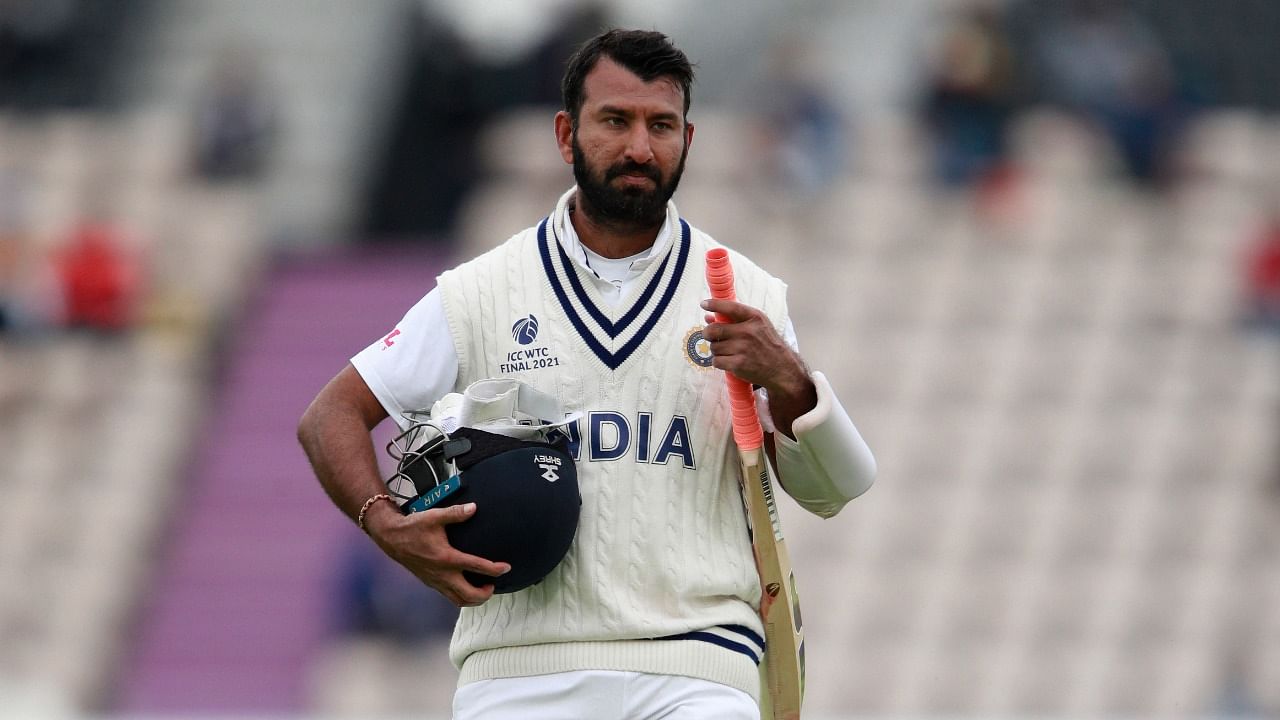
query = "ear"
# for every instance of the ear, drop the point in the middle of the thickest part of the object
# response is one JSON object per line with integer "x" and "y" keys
{"x": 564, "y": 136}
{"x": 688, "y": 135}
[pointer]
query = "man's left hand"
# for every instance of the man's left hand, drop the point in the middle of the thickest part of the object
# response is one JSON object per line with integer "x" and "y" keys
{"x": 745, "y": 343}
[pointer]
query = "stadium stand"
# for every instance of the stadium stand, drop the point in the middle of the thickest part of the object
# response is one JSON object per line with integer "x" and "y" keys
{"x": 253, "y": 548}
{"x": 96, "y": 420}
{"x": 1074, "y": 435}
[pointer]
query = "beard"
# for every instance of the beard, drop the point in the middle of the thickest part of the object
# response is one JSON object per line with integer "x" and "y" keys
{"x": 631, "y": 208}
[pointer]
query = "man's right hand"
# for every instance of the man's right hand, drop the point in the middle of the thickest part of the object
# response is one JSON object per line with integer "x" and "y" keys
{"x": 419, "y": 543}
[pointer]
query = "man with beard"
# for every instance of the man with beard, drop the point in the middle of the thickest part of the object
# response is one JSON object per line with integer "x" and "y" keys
{"x": 653, "y": 612}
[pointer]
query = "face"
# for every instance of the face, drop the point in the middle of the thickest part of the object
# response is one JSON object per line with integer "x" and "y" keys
{"x": 629, "y": 147}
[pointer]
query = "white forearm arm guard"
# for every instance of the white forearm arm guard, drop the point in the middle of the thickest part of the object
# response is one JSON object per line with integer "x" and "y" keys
{"x": 828, "y": 464}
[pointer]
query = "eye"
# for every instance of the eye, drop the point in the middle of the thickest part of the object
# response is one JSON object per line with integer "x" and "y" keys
{"x": 614, "y": 122}
{"x": 663, "y": 126}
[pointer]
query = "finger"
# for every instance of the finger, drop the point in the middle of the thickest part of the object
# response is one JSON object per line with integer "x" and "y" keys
{"x": 725, "y": 362}
{"x": 456, "y": 589}
{"x": 720, "y": 332}
{"x": 735, "y": 365}
{"x": 451, "y": 514}
{"x": 477, "y": 564}
{"x": 732, "y": 310}
{"x": 731, "y": 346}
{"x": 468, "y": 595}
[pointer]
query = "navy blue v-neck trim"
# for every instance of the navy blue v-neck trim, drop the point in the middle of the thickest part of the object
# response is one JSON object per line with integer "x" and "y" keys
{"x": 612, "y": 359}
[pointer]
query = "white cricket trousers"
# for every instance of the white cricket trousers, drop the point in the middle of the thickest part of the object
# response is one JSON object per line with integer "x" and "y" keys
{"x": 602, "y": 695}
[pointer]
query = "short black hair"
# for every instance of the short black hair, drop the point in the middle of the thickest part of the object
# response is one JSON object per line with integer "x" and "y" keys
{"x": 648, "y": 54}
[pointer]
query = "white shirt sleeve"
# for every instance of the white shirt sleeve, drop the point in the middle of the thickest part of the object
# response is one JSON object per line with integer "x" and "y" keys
{"x": 828, "y": 464}
{"x": 413, "y": 365}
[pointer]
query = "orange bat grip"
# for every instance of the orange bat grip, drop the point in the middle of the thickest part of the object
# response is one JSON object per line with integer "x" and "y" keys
{"x": 746, "y": 424}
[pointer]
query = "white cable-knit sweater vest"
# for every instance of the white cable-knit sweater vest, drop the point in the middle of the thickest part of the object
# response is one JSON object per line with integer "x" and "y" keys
{"x": 660, "y": 577}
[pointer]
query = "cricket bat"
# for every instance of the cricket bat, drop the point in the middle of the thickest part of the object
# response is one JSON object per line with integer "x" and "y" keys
{"x": 779, "y": 602}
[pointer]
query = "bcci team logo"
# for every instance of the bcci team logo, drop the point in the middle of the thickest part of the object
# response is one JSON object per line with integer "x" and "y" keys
{"x": 696, "y": 348}
{"x": 525, "y": 331}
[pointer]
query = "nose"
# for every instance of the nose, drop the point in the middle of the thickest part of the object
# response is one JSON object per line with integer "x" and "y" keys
{"x": 638, "y": 149}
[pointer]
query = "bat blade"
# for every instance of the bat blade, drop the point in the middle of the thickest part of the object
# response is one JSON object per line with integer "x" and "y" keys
{"x": 783, "y": 666}
{"x": 779, "y": 601}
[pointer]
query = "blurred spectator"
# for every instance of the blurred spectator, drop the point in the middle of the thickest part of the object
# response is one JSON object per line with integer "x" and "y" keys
{"x": 1102, "y": 61}
{"x": 235, "y": 122}
{"x": 428, "y": 162}
{"x": 969, "y": 102}
{"x": 101, "y": 281}
{"x": 535, "y": 78}
{"x": 29, "y": 297}
{"x": 61, "y": 53}
{"x": 8, "y": 275}
{"x": 1262, "y": 279}
{"x": 34, "y": 36}
{"x": 10, "y": 202}
{"x": 803, "y": 125}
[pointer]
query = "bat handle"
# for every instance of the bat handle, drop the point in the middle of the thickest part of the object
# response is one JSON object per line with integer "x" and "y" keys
{"x": 742, "y": 401}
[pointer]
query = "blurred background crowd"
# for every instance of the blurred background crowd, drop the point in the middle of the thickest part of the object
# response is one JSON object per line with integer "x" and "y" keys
{"x": 1034, "y": 243}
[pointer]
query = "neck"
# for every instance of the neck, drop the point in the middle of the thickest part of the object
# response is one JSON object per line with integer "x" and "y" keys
{"x": 609, "y": 238}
